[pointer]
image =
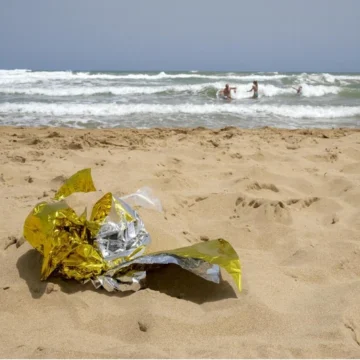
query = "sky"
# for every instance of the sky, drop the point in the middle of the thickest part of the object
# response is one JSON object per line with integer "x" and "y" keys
{"x": 164, "y": 35}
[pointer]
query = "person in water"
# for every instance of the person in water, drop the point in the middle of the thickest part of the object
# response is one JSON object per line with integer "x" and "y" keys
{"x": 298, "y": 90}
{"x": 226, "y": 92}
{"x": 255, "y": 89}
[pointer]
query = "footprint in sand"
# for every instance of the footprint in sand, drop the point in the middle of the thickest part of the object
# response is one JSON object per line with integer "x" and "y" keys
{"x": 329, "y": 157}
{"x": 303, "y": 203}
{"x": 54, "y": 134}
{"x": 74, "y": 146}
{"x": 29, "y": 179}
{"x": 201, "y": 198}
{"x": 100, "y": 163}
{"x": 292, "y": 147}
{"x": 257, "y": 186}
{"x": 272, "y": 210}
{"x": 18, "y": 158}
{"x": 278, "y": 210}
{"x": 236, "y": 156}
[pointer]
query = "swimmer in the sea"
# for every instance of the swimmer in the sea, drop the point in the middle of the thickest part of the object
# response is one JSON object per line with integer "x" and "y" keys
{"x": 226, "y": 92}
{"x": 298, "y": 90}
{"x": 255, "y": 89}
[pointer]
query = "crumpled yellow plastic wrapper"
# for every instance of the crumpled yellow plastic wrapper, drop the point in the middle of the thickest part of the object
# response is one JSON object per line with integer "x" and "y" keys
{"x": 108, "y": 248}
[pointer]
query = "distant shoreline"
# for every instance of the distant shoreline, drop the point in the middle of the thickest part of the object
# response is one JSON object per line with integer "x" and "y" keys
{"x": 190, "y": 71}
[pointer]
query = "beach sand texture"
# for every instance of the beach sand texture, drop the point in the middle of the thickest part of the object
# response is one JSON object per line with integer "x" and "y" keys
{"x": 288, "y": 201}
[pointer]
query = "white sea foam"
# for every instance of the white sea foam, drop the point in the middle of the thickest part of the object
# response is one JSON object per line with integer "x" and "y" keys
{"x": 348, "y": 77}
{"x": 319, "y": 90}
{"x": 86, "y": 91}
{"x": 114, "y": 90}
{"x": 43, "y": 97}
{"x": 257, "y": 110}
{"x": 23, "y": 76}
{"x": 324, "y": 78}
{"x": 267, "y": 90}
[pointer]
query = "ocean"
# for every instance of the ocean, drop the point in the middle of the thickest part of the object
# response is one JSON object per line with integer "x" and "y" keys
{"x": 177, "y": 99}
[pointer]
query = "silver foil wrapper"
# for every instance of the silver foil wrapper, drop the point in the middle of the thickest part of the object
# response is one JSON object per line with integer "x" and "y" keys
{"x": 128, "y": 282}
{"x": 131, "y": 275}
{"x": 118, "y": 237}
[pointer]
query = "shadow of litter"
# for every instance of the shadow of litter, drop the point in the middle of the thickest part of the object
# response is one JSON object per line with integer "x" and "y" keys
{"x": 169, "y": 279}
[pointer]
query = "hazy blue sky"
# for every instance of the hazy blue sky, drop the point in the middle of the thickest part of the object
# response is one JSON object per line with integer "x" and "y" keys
{"x": 264, "y": 35}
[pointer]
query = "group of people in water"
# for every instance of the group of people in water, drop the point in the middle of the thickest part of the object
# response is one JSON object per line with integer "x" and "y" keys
{"x": 226, "y": 92}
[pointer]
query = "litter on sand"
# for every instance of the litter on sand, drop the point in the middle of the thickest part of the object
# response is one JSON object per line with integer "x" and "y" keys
{"x": 109, "y": 247}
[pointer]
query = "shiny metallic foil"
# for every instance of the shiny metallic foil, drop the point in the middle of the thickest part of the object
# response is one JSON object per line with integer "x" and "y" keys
{"x": 122, "y": 233}
{"x": 108, "y": 248}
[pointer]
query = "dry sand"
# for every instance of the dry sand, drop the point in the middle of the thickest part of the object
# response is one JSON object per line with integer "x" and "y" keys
{"x": 288, "y": 201}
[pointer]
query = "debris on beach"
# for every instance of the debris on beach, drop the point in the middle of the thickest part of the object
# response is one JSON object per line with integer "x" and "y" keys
{"x": 108, "y": 249}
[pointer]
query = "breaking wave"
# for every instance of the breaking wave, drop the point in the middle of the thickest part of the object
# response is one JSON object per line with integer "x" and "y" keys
{"x": 267, "y": 90}
{"x": 295, "y": 111}
{"x": 183, "y": 98}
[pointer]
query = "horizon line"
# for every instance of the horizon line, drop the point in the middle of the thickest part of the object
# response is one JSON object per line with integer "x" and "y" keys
{"x": 183, "y": 70}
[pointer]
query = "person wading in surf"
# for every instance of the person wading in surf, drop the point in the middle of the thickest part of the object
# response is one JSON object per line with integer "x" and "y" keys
{"x": 226, "y": 92}
{"x": 255, "y": 88}
{"x": 298, "y": 90}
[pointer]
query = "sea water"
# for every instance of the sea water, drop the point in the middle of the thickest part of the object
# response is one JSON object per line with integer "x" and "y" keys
{"x": 177, "y": 99}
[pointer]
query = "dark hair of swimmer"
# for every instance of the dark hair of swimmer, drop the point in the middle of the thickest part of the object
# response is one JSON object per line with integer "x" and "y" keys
{"x": 227, "y": 85}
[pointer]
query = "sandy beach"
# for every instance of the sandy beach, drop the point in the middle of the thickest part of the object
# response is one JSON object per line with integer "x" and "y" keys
{"x": 287, "y": 200}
